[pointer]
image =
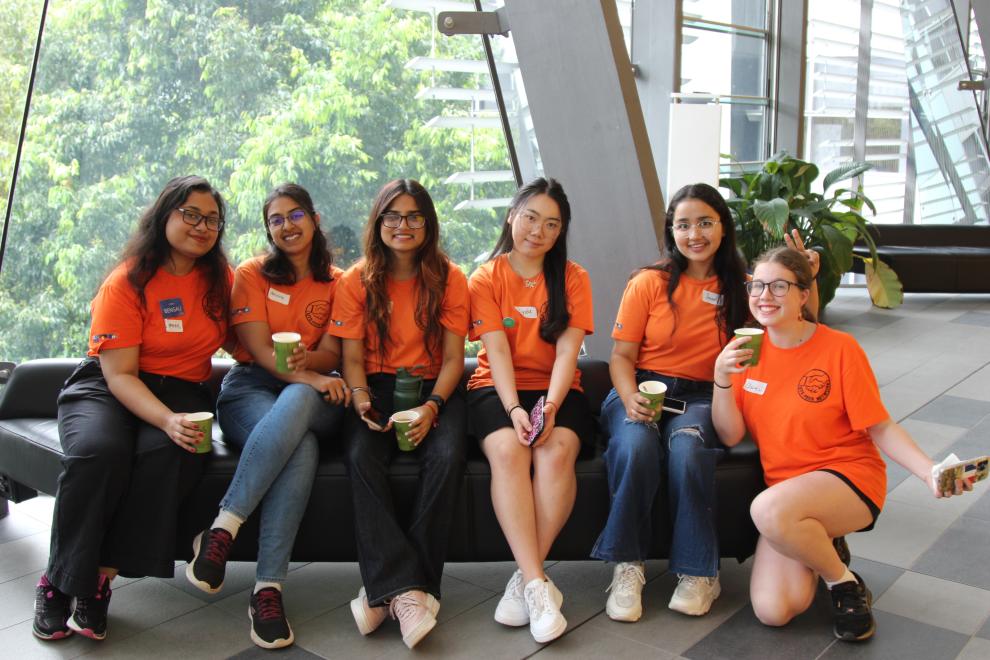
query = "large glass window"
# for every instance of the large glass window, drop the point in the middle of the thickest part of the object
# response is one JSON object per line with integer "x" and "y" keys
{"x": 337, "y": 95}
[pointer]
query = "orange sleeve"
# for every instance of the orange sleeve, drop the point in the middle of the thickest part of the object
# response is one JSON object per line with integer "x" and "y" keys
{"x": 634, "y": 308}
{"x": 860, "y": 391}
{"x": 347, "y": 320}
{"x": 118, "y": 318}
{"x": 485, "y": 314}
{"x": 456, "y": 307}
{"x": 579, "y": 298}
{"x": 247, "y": 299}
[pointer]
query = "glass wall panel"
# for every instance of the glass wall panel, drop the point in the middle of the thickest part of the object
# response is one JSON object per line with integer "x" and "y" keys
{"x": 338, "y": 95}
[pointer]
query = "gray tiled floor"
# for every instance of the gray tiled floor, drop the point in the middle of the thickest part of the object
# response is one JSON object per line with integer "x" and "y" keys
{"x": 926, "y": 562}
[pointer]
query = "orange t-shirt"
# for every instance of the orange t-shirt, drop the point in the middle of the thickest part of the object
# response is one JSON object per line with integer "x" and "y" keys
{"x": 808, "y": 409}
{"x": 645, "y": 317}
{"x": 175, "y": 336}
{"x": 502, "y": 300}
{"x": 407, "y": 347}
{"x": 303, "y": 307}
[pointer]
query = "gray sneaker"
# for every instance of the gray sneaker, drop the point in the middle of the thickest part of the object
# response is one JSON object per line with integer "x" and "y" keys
{"x": 625, "y": 600}
{"x": 694, "y": 594}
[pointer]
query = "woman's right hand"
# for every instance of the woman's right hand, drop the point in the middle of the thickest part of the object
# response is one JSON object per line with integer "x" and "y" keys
{"x": 637, "y": 408}
{"x": 520, "y": 422}
{"x": 182, "y": 432}
{"x": 728, "y": 361}
{"x": 361, "y": 401}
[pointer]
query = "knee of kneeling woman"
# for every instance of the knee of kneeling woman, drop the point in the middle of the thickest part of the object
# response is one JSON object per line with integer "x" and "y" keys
{"x": 772, "y": 612}
{"x": 767, "y": 515}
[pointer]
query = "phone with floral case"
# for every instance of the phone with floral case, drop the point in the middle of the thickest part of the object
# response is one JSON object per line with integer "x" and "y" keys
{"x": 536, "y": 420}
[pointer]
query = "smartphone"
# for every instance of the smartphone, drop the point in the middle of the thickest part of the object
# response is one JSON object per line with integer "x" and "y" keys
{"x": 973, "y": 470}
{"x": 675, "y": 406}
{"x": 536, "y": 421}
{"x": 374, "y": 418}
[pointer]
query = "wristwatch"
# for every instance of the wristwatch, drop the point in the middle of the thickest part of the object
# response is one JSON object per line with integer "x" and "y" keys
{"x": 437, "y": 399}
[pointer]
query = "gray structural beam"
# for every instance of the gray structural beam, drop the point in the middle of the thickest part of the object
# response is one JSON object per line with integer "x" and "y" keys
{"x": 589, "y": 124}
{"x": 788, "y": 90}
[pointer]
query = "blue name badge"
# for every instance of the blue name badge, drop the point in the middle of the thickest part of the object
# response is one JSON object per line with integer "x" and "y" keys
{"x": 171, "y": 308}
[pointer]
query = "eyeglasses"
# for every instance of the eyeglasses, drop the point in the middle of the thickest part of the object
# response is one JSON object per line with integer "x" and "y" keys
{"x": 192, "y": 218}
{"x": 706, "y": 226}
{"x": 778, "y": 288}
{"x": 393, "y": 220}
{"x": 295, "y": 217}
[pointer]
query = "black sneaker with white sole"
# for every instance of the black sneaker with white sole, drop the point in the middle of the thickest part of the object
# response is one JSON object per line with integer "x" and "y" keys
{"x": 52, "y": 609}
{"x": 269, "y": 627}
{"x": 852, "y": 611}
{"x": 90, "y": 616}
{"x": 209, "y": 563}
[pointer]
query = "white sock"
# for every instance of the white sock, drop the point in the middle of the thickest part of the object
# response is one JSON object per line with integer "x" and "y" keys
{"x": 228, "y": 521}
{"x": 264, "y": 585}
{"x": 846, "y": 577}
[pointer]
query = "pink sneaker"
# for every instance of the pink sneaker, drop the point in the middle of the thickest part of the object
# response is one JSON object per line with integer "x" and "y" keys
{"x": 367, "y": 618}
{"x": 413, "y": 611}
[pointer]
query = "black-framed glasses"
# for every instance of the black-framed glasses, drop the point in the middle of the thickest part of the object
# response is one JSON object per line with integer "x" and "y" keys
{"x": 706, "y": 226}
{"x": 778, "y": 288}
{"x": 393, "y": 220}
{"x": 192, "y": 218}
{"x": 295, "y": 217}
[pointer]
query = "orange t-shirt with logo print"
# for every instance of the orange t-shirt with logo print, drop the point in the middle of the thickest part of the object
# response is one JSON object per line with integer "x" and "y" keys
{"x": 809, "y": 407}
{"x": 682, "y": 343}
{"x": 303, "y": 307}
{"x": 503, "y": 300}
{"x": 407, "y": 345}
{"x": 172, "y": 330}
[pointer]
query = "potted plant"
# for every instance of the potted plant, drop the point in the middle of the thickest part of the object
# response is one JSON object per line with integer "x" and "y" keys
{"x": 778, "y": 197}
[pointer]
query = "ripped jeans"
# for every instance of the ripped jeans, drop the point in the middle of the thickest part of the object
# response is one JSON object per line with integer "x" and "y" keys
{"x": 637, "y": 460}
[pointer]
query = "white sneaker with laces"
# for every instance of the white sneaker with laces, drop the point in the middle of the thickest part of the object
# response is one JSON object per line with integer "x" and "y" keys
{"x": 694, "y": 594}
{"x": 511, "y": 610}
{"x": 415, "y": 616}
{"x": 546, "y": 623}
{"x": 625, "y": 600}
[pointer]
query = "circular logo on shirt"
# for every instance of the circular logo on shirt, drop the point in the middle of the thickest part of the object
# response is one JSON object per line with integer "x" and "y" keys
{"x": 814, "y": 386}
{"x": 318, "y": 313}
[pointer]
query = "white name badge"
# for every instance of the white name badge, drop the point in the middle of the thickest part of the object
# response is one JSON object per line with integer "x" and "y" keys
{"x": 278, "y": 296}
{"x": 528, "y": 312}
{"x": 755, "y": 386}
{"x": 711, "y": 297}
{"x": 173, "y": 325}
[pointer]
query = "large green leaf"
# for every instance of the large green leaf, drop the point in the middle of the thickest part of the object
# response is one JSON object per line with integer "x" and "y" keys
{"x": 859, "y": 196}
{"x": 772, "y": 215}
{"x": 846, "y": 171}
{"x": 840, "y": 247}
{"x": 733, "y": 184}
{"x": 883, "y": 284}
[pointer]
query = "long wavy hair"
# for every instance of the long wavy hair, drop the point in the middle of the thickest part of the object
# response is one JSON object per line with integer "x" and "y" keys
{"x": 554, "y": 316}
{"x": 148, "y": 248}
{"x": 432, "y": 266}
{"x": 729, "y": 265}
{"x": 276, "y": 267}
{"x": 799, "y": 266}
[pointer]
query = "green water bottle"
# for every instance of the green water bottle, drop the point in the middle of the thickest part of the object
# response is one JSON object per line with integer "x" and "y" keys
{"x": 408, "y": 390}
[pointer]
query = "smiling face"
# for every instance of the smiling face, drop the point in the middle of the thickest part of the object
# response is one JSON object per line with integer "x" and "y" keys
{"x": 402, "y": 239}
{"x": 697, "y": 244}
{"x": 536, "y": 226}
{"x": 186, "y": 241}
{"x": 292, "y": 238}
{"x": 770, "y": 310}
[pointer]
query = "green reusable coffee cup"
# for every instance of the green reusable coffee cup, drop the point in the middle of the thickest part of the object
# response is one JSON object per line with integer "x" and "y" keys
{"x": 204, "y": 420}
{"x": 401, "y": 421}
{"x": 755, "y": 342}
{"x": 655, "y": 391}
{"x": 285, "y": 343}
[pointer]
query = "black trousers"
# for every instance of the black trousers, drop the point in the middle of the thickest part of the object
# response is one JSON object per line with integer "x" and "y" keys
{"x": 122, "y": 482}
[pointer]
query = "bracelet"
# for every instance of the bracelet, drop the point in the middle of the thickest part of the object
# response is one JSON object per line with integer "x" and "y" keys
{"x": 509, "y": 411}
{"x": 362, "y": 389}
{"x": 722, "y": 387}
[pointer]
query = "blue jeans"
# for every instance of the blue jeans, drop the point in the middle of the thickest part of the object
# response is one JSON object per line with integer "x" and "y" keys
{"x": 275, "y": 425}
{"x": 686, "y": 452}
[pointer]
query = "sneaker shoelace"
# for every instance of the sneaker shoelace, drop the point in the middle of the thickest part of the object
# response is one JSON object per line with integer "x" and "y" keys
{"x": 269, "y": 604}
{"x": 515, "y": 586}
{"x": 536, "y": 599}
{"x": 83, "y": 604}
{"x": 404, "y": 607}
{"x": 627, "y": 579}
{"x": 694, "y": 582}
{"x": 218, "y": 546}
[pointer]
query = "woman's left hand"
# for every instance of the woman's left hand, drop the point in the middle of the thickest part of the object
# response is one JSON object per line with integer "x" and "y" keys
{"x": 419, "y": 428}
{"x": 794, "y": 241}
{"x": 549, "y": 419}
{"x": 299, "y": 360}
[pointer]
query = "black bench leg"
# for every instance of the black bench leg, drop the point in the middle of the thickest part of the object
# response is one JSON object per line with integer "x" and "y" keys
{"x": 3, "y": 508}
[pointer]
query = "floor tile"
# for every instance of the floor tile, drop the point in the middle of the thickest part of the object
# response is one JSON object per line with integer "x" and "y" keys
{"x": 40, "y": 508}
{"x": 954, "y": 411}
{"x": 16, "y": 600}
{"x": 901, "y": 637}
{"x": 984, "y": 632}
{"x": 238, "y": 577}
{"x": 874, "y": 319}
{"x": 977, "y": 649}
{"x": 17, "y": 525}
{"x": 932, "y": 437}
{"x": 594, "y": 643}
{"x": 878, "y": 577}
{"x": 294, "y": 652}
{"x": 18, "y": 642}
{"x": 902, "y": 534}
{"x": 937, "y": 602}
{"x": 24, "y": 556}
{"x": 981, "y": 508}
{"x": 959, "y": 554}
{"x": 974, "y": 318}
{"x": 917, "y": 493}
{"x": 144, "y": 604}
{"x": 976, "y": 386}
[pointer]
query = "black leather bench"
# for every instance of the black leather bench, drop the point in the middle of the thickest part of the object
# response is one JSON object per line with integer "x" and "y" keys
{"x": 30, "y": 457}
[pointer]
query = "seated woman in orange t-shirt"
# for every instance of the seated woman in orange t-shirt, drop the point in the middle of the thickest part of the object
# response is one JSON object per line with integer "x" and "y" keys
{"x": 531, "y": 308}
{"x": 404, "y": 305}
{"x": 130, "y": 454}
{"x": 813, "y": 407}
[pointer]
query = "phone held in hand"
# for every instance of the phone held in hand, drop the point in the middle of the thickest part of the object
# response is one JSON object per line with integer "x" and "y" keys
{"x": 374, "y": 418}
{"x": 673, "y": 405}
{"x": 947, "y": 472}
{"x": 536, "y": 421}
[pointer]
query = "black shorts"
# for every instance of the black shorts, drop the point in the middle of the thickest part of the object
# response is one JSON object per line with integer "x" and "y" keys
{"x": 486, "y": 414}
{"x": 870, "y": 504}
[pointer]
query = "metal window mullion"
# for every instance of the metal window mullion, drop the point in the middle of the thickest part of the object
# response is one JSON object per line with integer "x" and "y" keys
{"x": 862, "y": 82}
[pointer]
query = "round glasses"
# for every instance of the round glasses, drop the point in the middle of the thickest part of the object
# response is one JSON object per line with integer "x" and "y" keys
{"x": 778, "y": 288}
{"x": 192, "y": 218}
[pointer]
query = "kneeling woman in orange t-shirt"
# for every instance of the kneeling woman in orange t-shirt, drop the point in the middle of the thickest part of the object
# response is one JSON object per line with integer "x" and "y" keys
{"x": 404, "y": 305}
{"x": 130, "y": 455}
{"x": 813, "y": 407}
{"x": 531, "y": 308}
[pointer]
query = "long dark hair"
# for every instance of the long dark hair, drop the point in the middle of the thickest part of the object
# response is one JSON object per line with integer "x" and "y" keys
{"x": 554, "y": 316}
{"x": 799, "y": 266}
{"x": 276, "y": 267}
{"x": 729, "y": 266}
{"x": 431, "y": 262}
{"x": 148, "y": 248}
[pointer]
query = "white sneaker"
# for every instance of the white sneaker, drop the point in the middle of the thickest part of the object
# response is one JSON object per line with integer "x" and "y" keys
{"x": 511, "y": 610}
{"x": 694, "y": 595}
{"x": 546, "y": 623}
{"x": 625, "y": 602}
